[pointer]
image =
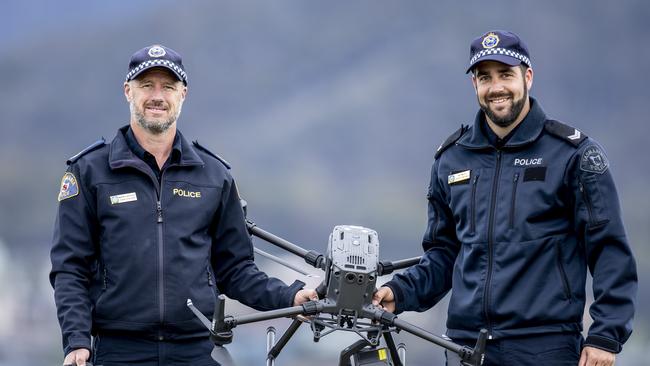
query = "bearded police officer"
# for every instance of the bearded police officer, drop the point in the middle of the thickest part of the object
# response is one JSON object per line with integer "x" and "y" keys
{"x": 520, "y": 206}
{"x": 146, "y": 222}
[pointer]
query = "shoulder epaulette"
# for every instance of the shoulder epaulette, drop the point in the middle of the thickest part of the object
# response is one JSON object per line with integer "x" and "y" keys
{"x": 451, "y": 140}
{"x": 565, "y": 132}
{"x": 224, "y": 162}
{"x": 95, "y": 145}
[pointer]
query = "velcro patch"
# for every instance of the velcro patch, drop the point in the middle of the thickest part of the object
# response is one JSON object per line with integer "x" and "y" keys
{"x": 69, "y": 187}
{"x": 535, "y": 173}
{"x": 593, "y": 160}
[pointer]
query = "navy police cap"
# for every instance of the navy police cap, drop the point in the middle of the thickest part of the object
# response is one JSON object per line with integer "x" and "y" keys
{"x": 502, "y": 46}
{"x": 156, "y": 56}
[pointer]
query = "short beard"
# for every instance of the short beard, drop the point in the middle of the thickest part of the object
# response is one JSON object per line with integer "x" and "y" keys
{"x": 155, "y": 128}
{"x": 508, "y": 119}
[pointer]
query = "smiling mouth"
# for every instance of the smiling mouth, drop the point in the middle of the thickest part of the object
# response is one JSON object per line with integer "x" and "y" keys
{"x": 156, "y": 109}
{"x": 499, "y": 100}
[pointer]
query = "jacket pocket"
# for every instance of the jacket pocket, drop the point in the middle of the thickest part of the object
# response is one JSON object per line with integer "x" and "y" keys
{"x": 562, "y": 272}
{"x": 593, "y": 201}
{"x": 515, "y": 180}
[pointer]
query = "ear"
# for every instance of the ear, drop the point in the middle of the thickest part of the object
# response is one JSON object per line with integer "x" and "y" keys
{"x": 127, "y": 91}
{"x": 184, "y": 92}
{"x": 529, "y": 78}
{"x": 474, "y": 83}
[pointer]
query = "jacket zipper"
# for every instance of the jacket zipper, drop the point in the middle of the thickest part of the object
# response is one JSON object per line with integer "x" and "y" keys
{"x": 473, "y": 207}
{"x": 486, "y": 297}
{"x": 210, "y": 283}
{"x": 161, "y": 252}
{"x": 161, "y": 285}
{"x": 587, "y": 200}
{"x": 512, "y": 202}
{"x": 563, "y": 276}
{"x": 105, "y": 279}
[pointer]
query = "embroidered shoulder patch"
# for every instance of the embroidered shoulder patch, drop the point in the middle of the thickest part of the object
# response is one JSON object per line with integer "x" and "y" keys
{"x": 69, "y": 186}
{"x": 593, "y": 160}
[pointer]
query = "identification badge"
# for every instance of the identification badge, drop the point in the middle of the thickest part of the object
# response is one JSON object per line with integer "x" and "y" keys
{"x": 459, "y": 177}
{"x": 123, "y": 198}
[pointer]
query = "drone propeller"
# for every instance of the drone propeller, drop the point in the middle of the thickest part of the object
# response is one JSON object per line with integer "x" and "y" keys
{"x": 222, "y": 356}
{"x": 282, "y": 262}
{"x": 219, "y": 352}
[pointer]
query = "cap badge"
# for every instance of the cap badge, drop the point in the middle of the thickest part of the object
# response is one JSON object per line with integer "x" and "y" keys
{"x": 491, "y": 40}
{"x": 156, "y": 51}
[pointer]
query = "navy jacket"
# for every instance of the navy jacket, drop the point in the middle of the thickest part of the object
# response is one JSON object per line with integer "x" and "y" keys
{"x": 512, "y": 231}
{"x": 129, "y": 251}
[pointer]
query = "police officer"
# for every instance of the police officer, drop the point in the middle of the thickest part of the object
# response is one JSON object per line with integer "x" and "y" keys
{"x": 520, "y": 206}
{"x": 146, "y": 222}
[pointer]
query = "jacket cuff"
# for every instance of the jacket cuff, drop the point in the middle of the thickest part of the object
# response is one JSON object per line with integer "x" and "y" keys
{"x": 399, "y": 295}
{"x": 77, "y": 343}
{"x": 293, "y": 289}
{"x": 603, "y": 343}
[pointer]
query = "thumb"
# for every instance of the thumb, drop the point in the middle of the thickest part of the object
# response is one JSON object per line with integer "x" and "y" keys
{"x": 313, "y": 295}
{"x": 583, "y": 358}
{"x": 378, "y": 296}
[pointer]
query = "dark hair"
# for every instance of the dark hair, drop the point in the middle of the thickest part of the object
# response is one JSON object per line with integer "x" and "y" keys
{"x": 522, "y": 66}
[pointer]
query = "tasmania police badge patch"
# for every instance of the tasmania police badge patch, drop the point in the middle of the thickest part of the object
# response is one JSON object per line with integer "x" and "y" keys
{"x": 593, "y": 160}
{"x": 69, "y": 186}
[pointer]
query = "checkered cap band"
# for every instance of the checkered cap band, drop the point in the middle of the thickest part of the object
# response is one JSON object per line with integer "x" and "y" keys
{"x": 152, "y": 63}
{"x": 500, "y": 51}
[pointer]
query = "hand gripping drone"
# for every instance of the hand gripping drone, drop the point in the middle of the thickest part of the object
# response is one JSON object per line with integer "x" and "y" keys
{"x": 345, "y": 304}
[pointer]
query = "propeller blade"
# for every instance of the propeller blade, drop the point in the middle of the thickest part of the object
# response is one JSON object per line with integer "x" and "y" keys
{"x": 221, "y": 355}
{"x": 206, "y": 322}
{"x": 282, "y": 262}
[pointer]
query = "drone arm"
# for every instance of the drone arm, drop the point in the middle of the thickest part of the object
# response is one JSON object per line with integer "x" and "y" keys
{"x": 308, "y": 308}
{"x": 386, "y": 267}
{"x": 313, "y": 258}
{"x": 468, "y": 356}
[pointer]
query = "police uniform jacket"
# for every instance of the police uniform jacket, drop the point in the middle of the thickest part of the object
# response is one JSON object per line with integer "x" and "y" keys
{"x": 512, "y": 230}
{"x": 128, "y": 250}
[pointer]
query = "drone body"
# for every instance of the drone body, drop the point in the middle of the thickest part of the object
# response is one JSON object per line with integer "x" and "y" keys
{"x": 351, "y": 268}
{"x": 351, "y": 275}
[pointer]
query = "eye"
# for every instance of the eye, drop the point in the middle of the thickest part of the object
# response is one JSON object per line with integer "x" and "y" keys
{"x": 170, "y": 87}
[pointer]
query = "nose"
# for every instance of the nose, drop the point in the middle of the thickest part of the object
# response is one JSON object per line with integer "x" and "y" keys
{"x": 157, "y": 93}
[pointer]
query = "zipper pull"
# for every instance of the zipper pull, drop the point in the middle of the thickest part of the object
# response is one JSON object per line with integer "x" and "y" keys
{"x": 159, "y": 211}
{"x": 516, "y": 177}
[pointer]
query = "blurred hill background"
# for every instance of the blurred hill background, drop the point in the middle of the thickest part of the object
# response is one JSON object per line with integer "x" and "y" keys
{"x": 329, "y": 112}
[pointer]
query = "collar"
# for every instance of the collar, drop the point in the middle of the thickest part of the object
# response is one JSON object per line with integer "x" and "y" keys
{"x": 140, "y": 152}
{"x": 526, "y": 132}
{"x": 120, "y": 153}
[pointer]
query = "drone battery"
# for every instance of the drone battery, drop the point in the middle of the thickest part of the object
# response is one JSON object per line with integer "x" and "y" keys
{"x": 372, "y": 357}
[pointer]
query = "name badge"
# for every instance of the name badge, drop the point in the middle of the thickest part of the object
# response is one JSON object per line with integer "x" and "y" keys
{"x": 123, "y": 198}
{"x": 459, "y": 177}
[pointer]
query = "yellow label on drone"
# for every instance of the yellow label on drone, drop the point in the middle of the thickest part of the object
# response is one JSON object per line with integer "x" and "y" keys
{"x": 382, "y": 354}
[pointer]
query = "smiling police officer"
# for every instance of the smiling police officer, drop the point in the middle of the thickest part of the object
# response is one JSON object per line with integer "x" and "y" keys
{"x": 520, "y": 206}
{"x": 143, "y": 224}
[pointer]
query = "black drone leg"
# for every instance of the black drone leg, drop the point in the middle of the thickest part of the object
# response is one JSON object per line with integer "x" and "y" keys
{"x": 277, "y": 348}
{"x": 344, "y": 359}
{"x": 392, "y": 349}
